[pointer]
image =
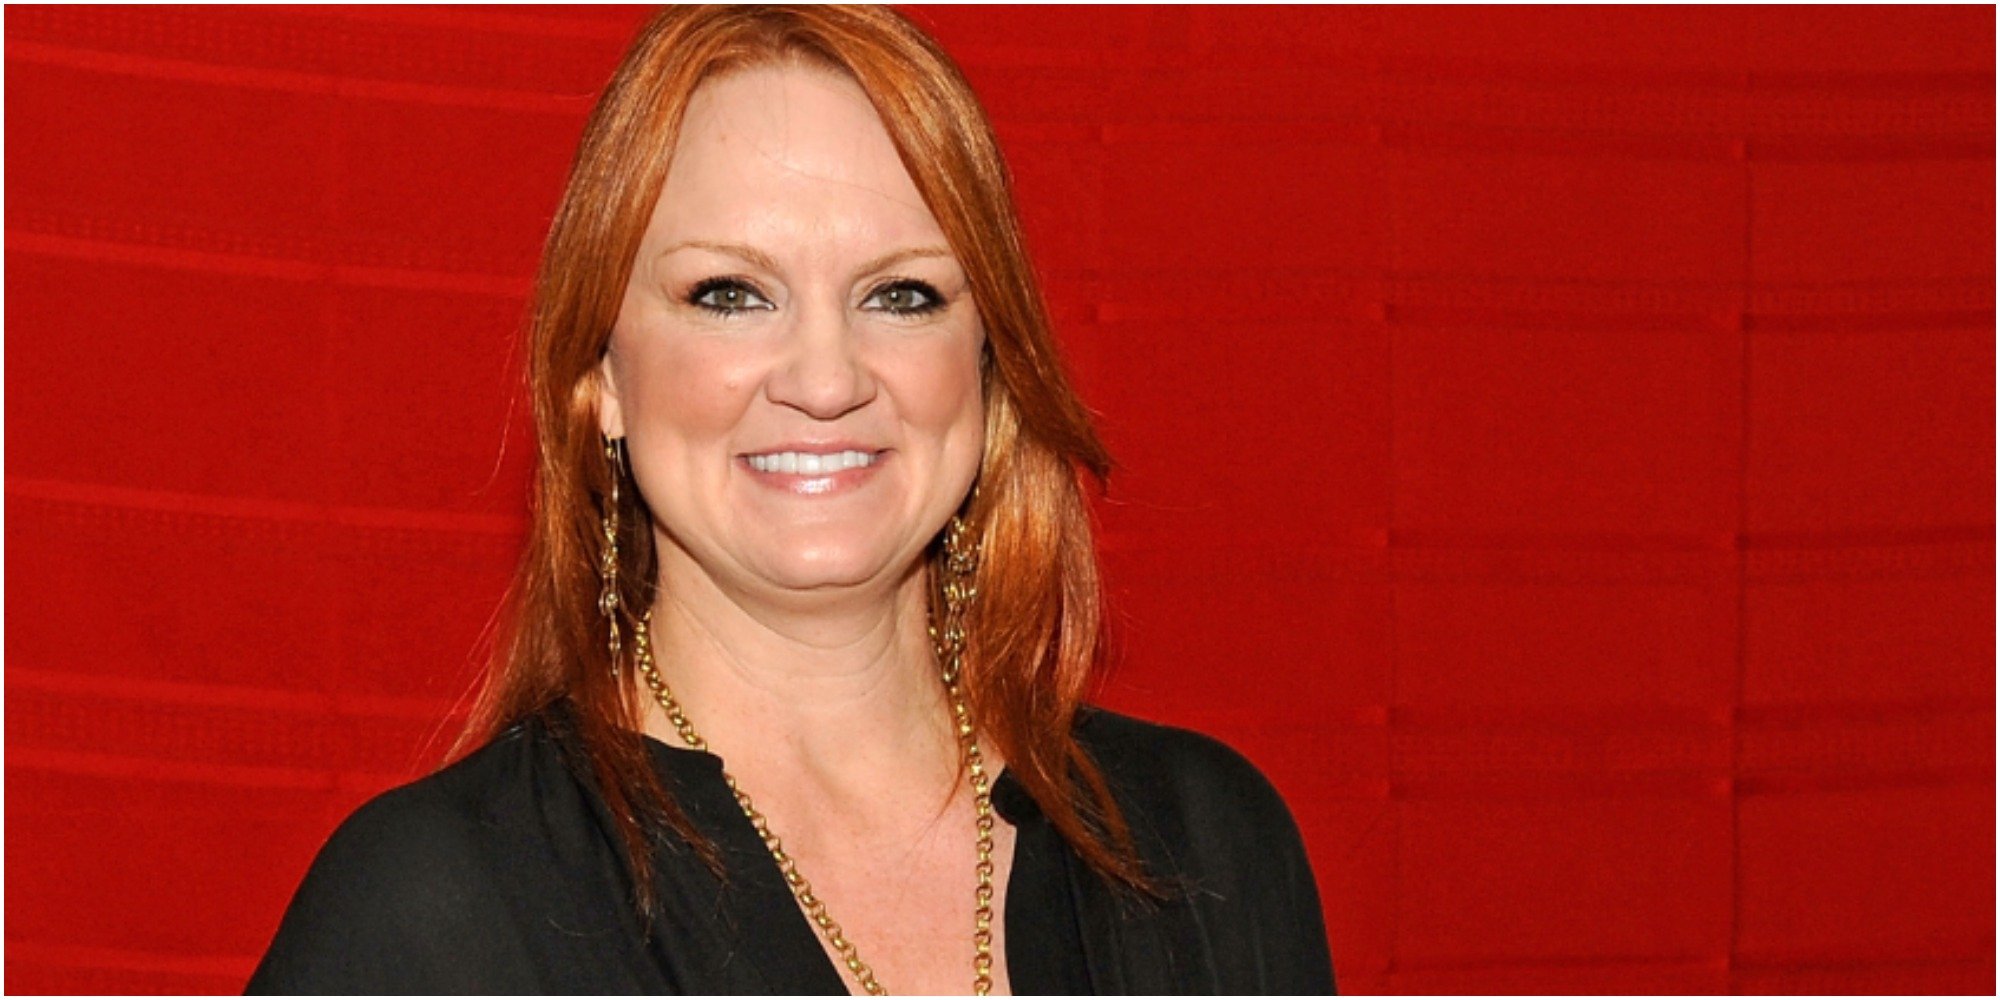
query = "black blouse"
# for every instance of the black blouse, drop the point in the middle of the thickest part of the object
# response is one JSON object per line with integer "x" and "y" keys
{"x": 501, "y": 874}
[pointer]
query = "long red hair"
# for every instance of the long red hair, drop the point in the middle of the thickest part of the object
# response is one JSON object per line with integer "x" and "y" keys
{"x": 1035, "y": 633}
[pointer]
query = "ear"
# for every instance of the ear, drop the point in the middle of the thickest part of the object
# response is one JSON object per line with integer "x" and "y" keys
{"x": 610, "y": 413}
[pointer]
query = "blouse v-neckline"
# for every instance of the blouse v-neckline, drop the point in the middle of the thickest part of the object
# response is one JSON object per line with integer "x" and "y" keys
{"x": 1043, "y": 956}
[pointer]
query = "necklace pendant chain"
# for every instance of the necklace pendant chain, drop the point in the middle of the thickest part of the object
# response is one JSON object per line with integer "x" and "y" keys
{"x": 950, "y": 649}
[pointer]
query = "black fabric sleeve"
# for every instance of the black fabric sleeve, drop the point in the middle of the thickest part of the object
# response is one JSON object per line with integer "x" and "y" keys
{"x": 397, "y": 902}
{"x": 1268, "y": 913}
{"x": 1219, "y": 829}
{"x": 1307, "y": 963}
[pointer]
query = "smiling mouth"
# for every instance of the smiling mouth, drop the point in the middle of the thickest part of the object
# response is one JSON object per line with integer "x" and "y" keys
{"x": 809, "y": 463}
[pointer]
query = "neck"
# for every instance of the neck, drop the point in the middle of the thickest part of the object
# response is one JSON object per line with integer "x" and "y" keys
{"x": 843, "y": 693}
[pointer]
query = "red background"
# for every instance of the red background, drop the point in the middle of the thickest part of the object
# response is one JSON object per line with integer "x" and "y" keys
{"x": 1556, "y": 445}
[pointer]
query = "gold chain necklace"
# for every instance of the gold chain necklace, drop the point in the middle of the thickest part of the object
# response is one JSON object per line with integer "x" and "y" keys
{"x": 982, "y": 803}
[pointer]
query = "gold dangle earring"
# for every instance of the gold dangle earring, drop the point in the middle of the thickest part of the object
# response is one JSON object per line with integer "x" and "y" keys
{"x": 955, "y": 593}
{"x": 607, "y": 570}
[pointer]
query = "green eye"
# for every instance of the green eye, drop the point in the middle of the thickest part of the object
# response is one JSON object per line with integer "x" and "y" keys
{"x": 726, "y": 297}
{"x": 907, "y": 298}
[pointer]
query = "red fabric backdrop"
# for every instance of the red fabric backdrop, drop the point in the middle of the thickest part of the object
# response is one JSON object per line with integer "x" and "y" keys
{"x": 1557, "y": 446}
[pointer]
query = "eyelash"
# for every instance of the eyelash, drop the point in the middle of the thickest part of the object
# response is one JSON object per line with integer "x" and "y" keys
{"x": 723, "y": 285}
{"x": 932, "y": 300}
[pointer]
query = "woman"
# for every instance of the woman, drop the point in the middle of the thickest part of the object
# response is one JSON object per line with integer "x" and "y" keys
{"x": 791, "y": 701}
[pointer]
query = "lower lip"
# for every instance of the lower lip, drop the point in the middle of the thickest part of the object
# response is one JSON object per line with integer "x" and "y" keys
{"x": 815, "y": 484}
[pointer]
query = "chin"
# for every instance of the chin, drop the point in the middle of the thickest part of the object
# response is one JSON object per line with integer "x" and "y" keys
{"x": 831, "y": 567}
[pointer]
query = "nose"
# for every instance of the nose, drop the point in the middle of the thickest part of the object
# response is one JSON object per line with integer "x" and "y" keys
{"x": 822, "y": 373}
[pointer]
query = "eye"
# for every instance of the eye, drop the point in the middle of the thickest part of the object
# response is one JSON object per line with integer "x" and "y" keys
{"x": 906, "y": 298}
{"x": 727, "y": 297}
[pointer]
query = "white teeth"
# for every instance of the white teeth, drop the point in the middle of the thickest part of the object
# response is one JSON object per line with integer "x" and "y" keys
{"x": 810, "y": 464}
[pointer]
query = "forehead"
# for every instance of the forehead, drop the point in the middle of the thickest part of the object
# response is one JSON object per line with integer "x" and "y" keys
{"x": 787, "y": 155}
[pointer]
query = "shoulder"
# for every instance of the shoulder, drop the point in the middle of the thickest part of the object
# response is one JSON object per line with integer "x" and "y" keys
{"x": 442, "y": 826}
{"x": 1167, "y": 768}
{"x": 410, "y": 891}
{"x": 438, "y": 824}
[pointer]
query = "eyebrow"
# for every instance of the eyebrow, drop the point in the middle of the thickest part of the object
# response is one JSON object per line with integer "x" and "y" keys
{"x": 742, "y": 250}
{"x": 894, "y": 257}
{"x": 763, "y": 260}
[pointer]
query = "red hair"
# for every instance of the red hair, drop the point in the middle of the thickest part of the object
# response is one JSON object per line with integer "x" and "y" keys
{"x": 1035, "y": 633}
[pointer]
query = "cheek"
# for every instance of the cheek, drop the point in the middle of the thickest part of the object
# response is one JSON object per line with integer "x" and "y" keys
{"x": 683, "y": 391}
{"x": 940, "y": 384}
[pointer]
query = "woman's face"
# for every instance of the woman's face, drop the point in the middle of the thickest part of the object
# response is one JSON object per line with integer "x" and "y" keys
{"x": 795, "y": 367}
